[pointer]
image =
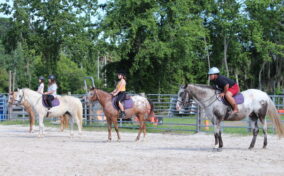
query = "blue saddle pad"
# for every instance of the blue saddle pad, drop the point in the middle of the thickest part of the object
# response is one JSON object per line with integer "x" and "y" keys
{"x": 55, "y": 102}
{"x": 127, "y": 103}
{"x": 239, "y": 98}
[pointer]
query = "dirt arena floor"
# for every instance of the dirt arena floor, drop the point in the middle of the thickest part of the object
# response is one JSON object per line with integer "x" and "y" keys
{"x": 23, "y": 154}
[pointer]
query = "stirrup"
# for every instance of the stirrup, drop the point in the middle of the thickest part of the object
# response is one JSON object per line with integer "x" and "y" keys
{"x": 122, "y": 115}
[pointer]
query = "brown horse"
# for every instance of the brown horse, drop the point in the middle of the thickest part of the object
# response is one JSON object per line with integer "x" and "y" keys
{"x": 141, "y": 107}
{"x": 29, "y": 110}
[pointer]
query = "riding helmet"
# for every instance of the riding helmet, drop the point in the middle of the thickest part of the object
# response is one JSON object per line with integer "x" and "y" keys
{"x": 41, "y": 78}
{"x": 213, "y": 70}
{"x": 52, "y": 77}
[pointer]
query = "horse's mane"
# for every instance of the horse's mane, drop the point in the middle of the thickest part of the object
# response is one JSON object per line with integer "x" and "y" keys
{"x": 94, "y": 88}
{"x": 28, "y": 89}
{"x": 204, "y": 86}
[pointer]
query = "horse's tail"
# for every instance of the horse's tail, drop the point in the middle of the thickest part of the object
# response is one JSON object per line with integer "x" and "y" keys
{"x": 151, "y": 112}
{"x": 275, "y": 117}
{"x": 80, "y": 114}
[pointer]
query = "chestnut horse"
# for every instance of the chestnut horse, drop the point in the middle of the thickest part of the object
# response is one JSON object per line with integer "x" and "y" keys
{"x": 29, "y": 110}
{"x": 141, "y": 107}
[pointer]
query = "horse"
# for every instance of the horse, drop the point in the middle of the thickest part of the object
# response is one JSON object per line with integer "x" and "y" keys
{"x": 141, "y": 107}
{"x": 28, "y": 109}
{"x": 257, "y": 104}
{"x": 69, "y": 105}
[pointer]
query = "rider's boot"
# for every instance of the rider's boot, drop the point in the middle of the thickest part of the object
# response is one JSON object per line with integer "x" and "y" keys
{"x": 122, "y": 115}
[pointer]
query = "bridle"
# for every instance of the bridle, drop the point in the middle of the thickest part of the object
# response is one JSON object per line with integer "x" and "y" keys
{"x": 184, "y": 101}
{"x": 18, "y": 102}
{"x": 211, "y": 99}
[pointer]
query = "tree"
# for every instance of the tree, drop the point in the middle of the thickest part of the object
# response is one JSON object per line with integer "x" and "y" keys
{"x": 160, "y": 43}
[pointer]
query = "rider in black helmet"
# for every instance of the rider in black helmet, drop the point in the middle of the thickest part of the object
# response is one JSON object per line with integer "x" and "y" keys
{"x": 40, "y": 88}
{"x": 51, "y": 91}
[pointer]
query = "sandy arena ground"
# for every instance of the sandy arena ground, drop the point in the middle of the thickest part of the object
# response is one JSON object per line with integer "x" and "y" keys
{"x": 23, "y": 154}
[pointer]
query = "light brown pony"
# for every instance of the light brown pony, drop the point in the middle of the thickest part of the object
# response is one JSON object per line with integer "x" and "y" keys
{"x": 29, "y": 110}
{"x": 142, "y": 107}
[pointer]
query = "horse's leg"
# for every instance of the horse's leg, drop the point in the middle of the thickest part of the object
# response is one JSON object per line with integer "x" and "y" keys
{"x": 255, "y": 130}
{"x": 264, "y": 133}
{"x": 218, "y": 138}
{"x": 31, "y": 118}
{"x": 141, "y": 128}
{"x": 41, "y": 126}
{"x": 79, "y": 124}
{"x": 116, "y": 128}
{"x": 71, "y": 121}
{"x": 62, "y": 123}
{"x": 109, "y": 128}
{"x": 144, "y": 130}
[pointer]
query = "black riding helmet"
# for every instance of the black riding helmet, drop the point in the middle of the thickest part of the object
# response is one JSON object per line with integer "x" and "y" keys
{"x": 52, "y": 77}
{"x": 41, "y": 78}
{"x": 121, "y": 73}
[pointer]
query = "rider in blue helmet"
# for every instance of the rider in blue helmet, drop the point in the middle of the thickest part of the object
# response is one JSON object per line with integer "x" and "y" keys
{"x": 228, "y": 86}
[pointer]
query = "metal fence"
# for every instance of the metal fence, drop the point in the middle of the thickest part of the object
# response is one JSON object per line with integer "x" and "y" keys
{"x": 167, "y": 118}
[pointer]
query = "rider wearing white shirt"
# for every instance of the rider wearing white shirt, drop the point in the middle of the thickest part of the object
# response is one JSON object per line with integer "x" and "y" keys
{"x": 51, "y": 90}
{"x": 40, "y": 88}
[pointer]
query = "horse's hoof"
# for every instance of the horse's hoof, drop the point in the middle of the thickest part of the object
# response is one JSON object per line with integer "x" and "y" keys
{"x": 250, "y": 148}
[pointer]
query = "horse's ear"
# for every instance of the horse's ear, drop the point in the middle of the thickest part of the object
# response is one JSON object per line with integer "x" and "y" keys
{"x": 92, "y": 88}
{"x": 185, "y": 86}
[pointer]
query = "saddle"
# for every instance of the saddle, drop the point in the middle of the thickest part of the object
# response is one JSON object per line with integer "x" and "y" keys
{"x": 127, "y": 102}
{"x": 54, "y": 102}
{"x": 239, "y": 99}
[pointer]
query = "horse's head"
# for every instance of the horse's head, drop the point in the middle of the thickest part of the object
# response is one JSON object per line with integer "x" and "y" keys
{"x": 12, "y": 96}
{"x": 92, "y": 94}
{"x": 183, "y": 98}
{"x": 19, "y": 97}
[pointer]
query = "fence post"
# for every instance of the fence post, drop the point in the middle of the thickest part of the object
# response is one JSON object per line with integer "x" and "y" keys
{"x": 198, "y": 120}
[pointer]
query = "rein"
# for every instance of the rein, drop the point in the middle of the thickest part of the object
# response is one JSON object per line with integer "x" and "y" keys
{"x": 18, "y": 102}
{"x": 215, "y": 96}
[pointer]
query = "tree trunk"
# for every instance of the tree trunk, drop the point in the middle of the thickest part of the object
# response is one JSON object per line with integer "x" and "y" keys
{"x": 225, "y": 55}
{"x": 259, "y": 75}
{"x": 208, "y": 58}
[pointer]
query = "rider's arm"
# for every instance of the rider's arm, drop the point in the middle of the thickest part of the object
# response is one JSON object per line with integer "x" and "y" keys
{"x": 118, "y": 88}
{"x": 226, "y": 88}
{"x": 49, "y": 92}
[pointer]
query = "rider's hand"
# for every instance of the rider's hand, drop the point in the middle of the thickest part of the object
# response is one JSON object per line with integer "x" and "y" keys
{"x": 222, "y": 95}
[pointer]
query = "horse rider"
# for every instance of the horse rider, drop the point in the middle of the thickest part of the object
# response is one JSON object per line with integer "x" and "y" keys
{"x": 40, "y": 88}
{"x": 228, "y": 86}
{"x": 119, "y": 91}
{"x": 51, "y": 90}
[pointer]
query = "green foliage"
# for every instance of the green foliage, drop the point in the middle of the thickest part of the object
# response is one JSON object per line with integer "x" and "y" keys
{"x": 69, "y": 76}
{"x": 4, "y": 80}
{"x": 159, "y": 44}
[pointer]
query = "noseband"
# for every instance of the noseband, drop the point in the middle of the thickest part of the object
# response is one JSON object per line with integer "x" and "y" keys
{"x": 184, "y": 101}
{"x": 19, "y": 101}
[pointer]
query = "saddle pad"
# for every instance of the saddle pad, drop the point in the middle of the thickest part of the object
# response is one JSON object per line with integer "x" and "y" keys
{"x": 55, "y": 102}
{"x": 127, "y": 104}
{"x": 239, "y": 98}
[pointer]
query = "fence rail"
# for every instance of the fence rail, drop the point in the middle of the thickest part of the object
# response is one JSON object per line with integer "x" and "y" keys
{"x": 167, "y": 118}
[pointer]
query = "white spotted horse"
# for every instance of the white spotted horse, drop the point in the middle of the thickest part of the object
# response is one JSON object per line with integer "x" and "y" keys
{"x": 256, "y": 105}
{"x": 136, "y": 106}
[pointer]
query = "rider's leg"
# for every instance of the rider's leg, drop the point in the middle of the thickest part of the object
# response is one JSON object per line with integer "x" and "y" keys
{"x": 232, "y": 101}
{"x": 123, "y": 115}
